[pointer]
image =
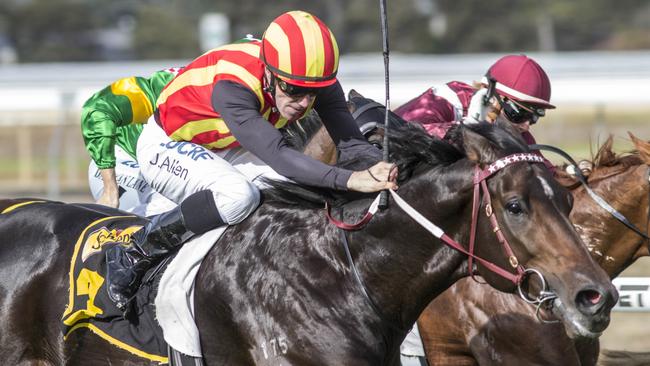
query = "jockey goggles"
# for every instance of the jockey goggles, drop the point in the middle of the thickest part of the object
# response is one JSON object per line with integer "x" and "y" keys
{"x": 295, "y": 91}
{"x": 518, "y": 113}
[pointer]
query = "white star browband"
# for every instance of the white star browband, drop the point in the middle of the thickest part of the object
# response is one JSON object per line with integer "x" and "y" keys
{"x": 510, "y": 159}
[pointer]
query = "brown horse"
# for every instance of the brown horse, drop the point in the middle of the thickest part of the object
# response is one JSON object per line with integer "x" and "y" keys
{"x": 470, "y": 324}
{"x": 287, "y": 287}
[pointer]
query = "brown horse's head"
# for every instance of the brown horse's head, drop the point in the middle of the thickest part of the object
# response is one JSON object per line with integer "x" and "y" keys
{"x": 622, "y": 181}
{"x": 532, "y": 211}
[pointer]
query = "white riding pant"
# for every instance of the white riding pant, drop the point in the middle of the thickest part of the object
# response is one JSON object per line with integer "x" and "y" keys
{"x": 177, "y": 169}
{"x": 136, "y": 195}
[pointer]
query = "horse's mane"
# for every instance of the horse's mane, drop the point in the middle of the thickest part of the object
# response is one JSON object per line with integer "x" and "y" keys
{"x": 606, "y": 157}
{"x": 412, "y": 149}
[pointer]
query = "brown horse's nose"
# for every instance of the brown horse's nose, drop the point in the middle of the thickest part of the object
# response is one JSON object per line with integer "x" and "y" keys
{"x": 593, "y": 301}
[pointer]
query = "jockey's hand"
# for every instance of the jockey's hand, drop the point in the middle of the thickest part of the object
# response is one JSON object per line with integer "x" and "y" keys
{"x": 376, "y": 178}
{"x": 111, "y": 195}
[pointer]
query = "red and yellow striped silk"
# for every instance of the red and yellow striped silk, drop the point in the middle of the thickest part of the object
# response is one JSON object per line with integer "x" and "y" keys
{"x": 185, "y": 106}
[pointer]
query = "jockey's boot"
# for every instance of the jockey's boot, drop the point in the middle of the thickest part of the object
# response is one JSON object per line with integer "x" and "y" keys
{"x": 161, "y": 235}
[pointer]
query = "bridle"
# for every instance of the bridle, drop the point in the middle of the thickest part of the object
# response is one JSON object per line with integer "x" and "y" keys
{"x": 599, "y": 200}
{"x": 480, "y": 186}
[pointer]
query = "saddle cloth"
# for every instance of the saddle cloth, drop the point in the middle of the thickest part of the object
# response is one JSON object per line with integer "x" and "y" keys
{"x": 164, "y": 302}
{"x": 89, "y": 306}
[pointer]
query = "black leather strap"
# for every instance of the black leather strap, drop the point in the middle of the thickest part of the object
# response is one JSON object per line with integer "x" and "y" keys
{"x": 361, "y": 110}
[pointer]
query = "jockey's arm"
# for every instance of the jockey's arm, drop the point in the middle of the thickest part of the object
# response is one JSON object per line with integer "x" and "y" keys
{"x": 239, "y": 108}
{"x": 337, "y": 119}
{"x": 111, "y": 194}
{"x": 99, "y": 131}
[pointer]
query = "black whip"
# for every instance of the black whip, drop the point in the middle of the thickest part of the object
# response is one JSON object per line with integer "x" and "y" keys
{"x": 383, "y": 201}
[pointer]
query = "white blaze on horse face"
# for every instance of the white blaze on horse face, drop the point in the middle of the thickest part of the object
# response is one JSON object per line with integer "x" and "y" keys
{"x": 547, "y": 188}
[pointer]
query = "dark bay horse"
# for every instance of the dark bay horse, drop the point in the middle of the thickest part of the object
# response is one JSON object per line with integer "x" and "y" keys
{"x": 277, "y": 288}
{"x": 471, "y": 324}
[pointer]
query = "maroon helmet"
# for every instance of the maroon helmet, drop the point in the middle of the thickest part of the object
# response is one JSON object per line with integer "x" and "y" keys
{"x": 521, "y": 79}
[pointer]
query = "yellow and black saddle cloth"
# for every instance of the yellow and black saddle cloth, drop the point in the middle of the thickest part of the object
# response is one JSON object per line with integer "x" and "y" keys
{"x": 89, "y": 306}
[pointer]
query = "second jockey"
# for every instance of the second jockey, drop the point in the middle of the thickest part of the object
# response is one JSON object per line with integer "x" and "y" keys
{"x": 522, "y": 96}
{"x": 111, "y": 123}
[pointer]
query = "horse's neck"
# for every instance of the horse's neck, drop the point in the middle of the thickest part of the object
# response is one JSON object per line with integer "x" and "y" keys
{"x": 616, "y": 247}
{"x": 412, "y": 266}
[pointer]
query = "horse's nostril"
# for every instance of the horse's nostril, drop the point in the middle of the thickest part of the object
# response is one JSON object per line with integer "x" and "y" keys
{"x": 593, "y": 296}
{"x": 589, "y": 301}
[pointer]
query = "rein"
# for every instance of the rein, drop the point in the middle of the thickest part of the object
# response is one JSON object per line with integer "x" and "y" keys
{"x": 599, "y": 200}
{"x": 383, "y": 201}
{"x": 480, "y": 185}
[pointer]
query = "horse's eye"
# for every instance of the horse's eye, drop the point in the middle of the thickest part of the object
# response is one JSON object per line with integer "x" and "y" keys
{"x": 514, "y": 208}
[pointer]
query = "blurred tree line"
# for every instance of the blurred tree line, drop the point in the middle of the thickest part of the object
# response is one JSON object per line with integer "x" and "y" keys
{"x": 86, "y": 30}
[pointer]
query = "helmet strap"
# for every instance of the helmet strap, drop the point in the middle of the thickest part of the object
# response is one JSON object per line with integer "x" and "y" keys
{"x": 270, "y": 88}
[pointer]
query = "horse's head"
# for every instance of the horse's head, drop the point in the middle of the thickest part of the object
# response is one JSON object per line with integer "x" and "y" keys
{"x": 531, "y": 211}
{"x": 370, "y": 117}
{"x": 623, "y": 181}
{"x": 531, "y": 214}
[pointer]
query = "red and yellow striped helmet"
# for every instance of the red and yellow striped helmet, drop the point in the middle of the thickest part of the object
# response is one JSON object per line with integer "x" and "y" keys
{"x": 300, "y": 49}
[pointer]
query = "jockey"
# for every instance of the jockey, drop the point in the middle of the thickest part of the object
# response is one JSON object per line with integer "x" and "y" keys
{"x": 522, "y": 96}
{"x": 111, "y": 123}
{"x": 214, "y": 135}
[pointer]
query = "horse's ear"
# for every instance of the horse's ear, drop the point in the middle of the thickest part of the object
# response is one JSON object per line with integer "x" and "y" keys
{"x": 477, "y": 148}
{"x": 643, "y": 147}
{"x": 605, "y": 154}
{"x": 354, "y": 94}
